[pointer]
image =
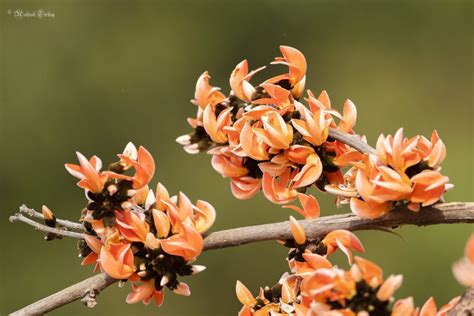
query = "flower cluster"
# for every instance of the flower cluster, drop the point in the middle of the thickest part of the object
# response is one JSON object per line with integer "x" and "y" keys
{"x": 403, "y": 170}
{"x": 263, "y": 138}
{"x": 315, "y": 287}
{"x": 327, "y": 290}
{"x": 137, "y": 234}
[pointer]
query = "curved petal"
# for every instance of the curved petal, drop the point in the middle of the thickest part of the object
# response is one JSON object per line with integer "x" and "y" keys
{"x": 204, "y": 217}
{"x": 364, "y": 210}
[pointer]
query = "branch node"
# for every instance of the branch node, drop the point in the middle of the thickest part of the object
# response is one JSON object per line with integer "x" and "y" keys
{"x": 25, "y": 209}
{"x": 13, "y": 218}
{"x": 89, "y": 298}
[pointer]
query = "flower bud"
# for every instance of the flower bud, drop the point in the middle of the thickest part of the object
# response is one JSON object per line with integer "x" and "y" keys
{"x": 198, "y": 268}
{"x": 112, "y": 189}
{"x": 297, "y": 231}
{"x": 182, "y": 289}
{"x": 49, "y": 217}
{"x": 244, "y": 295}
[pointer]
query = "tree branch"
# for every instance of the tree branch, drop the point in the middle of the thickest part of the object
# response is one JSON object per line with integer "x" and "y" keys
{"x": 444, "y": 213}
{"x": 62, "y": 222}
{"x": 86, "y": 290}
{"x": 40, "y": 227}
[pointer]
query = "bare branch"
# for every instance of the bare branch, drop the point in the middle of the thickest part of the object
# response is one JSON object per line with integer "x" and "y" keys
{"x": 444, "y": 213}
{"x": 58, "y": 231}
{"x": 86, "y": 290}
{"x": 62, "y": 222}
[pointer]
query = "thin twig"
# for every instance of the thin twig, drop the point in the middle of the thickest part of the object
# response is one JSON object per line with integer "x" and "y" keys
{"x": 62, "y": 222}
{"x": 444, "y": 213}
{"x": 58, "y": 231}
{"x": 352, "y": 141}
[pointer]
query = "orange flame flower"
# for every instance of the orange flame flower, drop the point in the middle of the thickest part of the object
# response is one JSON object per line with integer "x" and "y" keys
{"x": 88, "y": 173}
{"x": 206, "y": 94}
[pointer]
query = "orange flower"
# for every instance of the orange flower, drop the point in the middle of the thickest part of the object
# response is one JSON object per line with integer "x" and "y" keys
{"x": 229, "y": 165}
{"x": 310, "y": 172}
{"x": 298, "y": 153}
{"x": 278, "y": 191}
{"x": 162, "y": 223}
{"x": 132, "y": 226}
{"x": 206, "y": 94}
{"x": 253, "y": 146}
{"x": 162, "y": 196}
{"x": 310, "y": 206}
{"x": 278, "y": 96}
{"x": 239, "y": 81}
{"x": 346, "y": 155}
{"x": 276, "y": 166}
{"x": 463, "y": 269}
{"x": 312, "y": 261}
{"x": 204, "y": 216}
{"x": 349, "y": 116}
{"x": 144, "y": 168}
{"x": 432, "y": 152}
{"x": 95, "y": 246}
{"x": 327, "y": 284}
{"x": 275, "y": 132}
{"x": 296, "y": 63}
{"x": 245, "y": 187}
{"x": 346, "y": 120}
{"x": 344, "y": 240}
{"x": 398, "y": 151}
{"x": 117, "y": 260}
{"x": 265, "y": 303}
{"x": 88, "y": 173}
{"x": 131, "y": 152}
{"x": 378, "y": 186}
{"x": 145, "y": 293}
{"x": 314, "y": 127}
{"x": 428, "y": 187}
{"x": 187, "y": 244}
{"x": 215, "y": 126}
{"x": 323, "y": 102}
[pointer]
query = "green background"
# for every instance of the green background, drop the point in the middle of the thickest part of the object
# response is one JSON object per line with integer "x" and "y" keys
{"x": 102, "y": 73}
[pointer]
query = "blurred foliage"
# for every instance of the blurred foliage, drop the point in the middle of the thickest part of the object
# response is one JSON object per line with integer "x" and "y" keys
{"x": 102, "y": 73}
